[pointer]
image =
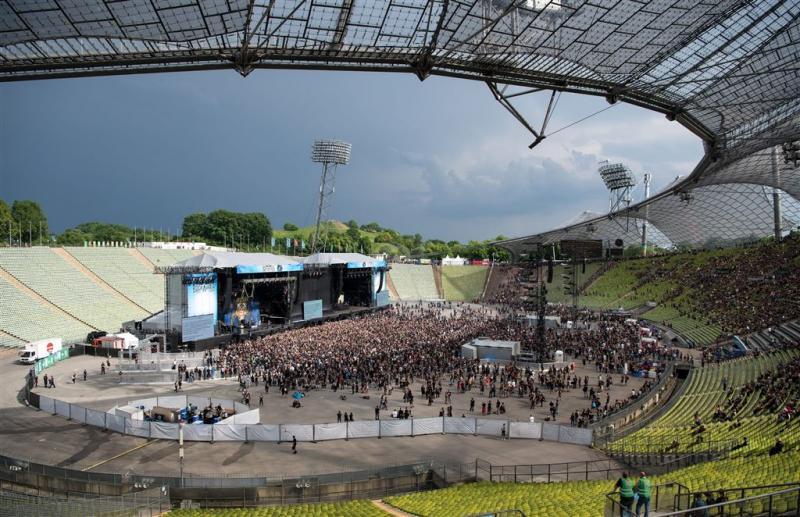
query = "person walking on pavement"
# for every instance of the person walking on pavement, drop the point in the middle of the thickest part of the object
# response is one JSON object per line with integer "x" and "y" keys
{"x": 294, "y": 444}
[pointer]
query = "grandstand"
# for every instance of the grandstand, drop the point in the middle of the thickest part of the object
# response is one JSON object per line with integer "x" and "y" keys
{"x": 414, "y": 282}
{"x": 586, "y": 498}
{"x": 26, "y": 319}
{"x": 675, "y": 431}
{"x": 56, "y": 280}
{"x": 121, "y": 270}
{"x": 463, "y": 283}
{"x": 555, "y": 291}
{"x": 164, "y": 257}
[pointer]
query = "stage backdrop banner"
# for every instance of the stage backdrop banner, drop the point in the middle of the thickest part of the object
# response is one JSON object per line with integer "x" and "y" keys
{"x": 428, "y": 425}
{"x": 263, "y": 433}
{"x": 303, "y": 432}
{"x": 363, "y": 429}
{"x": 396, "y": 427}
{"x": 550, "y": 432}
{"x": 330, "y": 431}
{"x": 95, "y": 418}
{"x": 490, "y": 427}
{"x": 47, "y": 404}
{"x": 456, "y": 425}
{"x": 576, "y": 435}
{"x": 526, "y": 430}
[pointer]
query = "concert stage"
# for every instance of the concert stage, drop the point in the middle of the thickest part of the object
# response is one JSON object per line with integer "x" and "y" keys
{"x": 220, "y": 296}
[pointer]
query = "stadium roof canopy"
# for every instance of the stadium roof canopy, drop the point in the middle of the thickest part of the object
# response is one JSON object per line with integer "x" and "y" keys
{"x": 728, "y": 70}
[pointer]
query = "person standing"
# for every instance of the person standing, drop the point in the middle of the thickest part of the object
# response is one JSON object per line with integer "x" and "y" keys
{"x": 294, "y": 444}
{"x": 84, "y": 375}
{"x": 643, "y": 486}
{"x": 625, "y": 485}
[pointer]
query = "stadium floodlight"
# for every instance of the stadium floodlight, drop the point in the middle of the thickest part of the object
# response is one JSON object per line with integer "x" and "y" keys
{"x": 331, "y": 154}
{"x": 619, "y": 180}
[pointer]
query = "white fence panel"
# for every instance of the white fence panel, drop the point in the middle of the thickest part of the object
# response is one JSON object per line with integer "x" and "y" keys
{"x": 363, "y": 429}
{"x": 199, "y": 402}
{"x": 239, "y": 407}
{"x": 115, "y": 423}
{"x": 550, "y": 432}
{"x": 95, "y": 418}
{"x": 262, "y": 433}
{"x": 62, "y": 408}
{"x": 576, "y": 435}
{"x": 147, "y": 403}
{"x": 248, "y": 417}
{"x": 197, "y": 432}
{"x": 47, "y": 404}
{"x": 490, "y": 427}
{"x": 330, "y": 431}
{"x": 396, "y": 427}
{"x": 172, "y": 401}
{"x": 303, "y": 432}
{"x": 164, "y": 430}
{"x": 428, "y": 425}
{"x": 138, "y": 428}
{"x": 455, "y": 425}
{"x": 77, "y": 413}
{"x": 526, "y": 430}
{"x": 229, "y": 433}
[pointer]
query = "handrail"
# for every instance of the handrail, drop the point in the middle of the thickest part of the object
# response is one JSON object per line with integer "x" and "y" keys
{"x": 707, "y": 507}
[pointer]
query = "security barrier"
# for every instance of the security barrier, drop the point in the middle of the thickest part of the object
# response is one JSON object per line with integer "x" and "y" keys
{"x": 243, "y": 426}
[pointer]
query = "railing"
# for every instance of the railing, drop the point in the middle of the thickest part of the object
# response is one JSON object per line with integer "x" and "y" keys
{"x": 549, "y": 472}
{"x": 663, "y": 497}
{"x": 676, "y": 499}
{"x": 142, "y": 504}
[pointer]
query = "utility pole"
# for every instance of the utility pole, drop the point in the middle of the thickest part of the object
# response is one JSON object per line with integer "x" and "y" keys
{"x": 647, "y": 179}
{"x": 776, "y": 195}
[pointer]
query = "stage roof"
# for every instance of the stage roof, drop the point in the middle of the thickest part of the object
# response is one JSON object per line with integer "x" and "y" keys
{"x": 343, "y": 258}
{"x": 258, "y": 262}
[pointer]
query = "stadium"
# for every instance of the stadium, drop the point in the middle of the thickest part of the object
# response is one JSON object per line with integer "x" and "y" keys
{"x": 638, "y": 361}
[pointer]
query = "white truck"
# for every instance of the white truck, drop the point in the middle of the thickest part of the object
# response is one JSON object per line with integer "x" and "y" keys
{"x": 39, "y": 350}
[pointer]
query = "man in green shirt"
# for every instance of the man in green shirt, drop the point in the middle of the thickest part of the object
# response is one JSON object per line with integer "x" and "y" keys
{"x": 625, "y": 485}
{"x": 643, "y": 489}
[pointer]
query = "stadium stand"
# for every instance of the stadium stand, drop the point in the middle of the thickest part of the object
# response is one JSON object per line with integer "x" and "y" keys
{"x": 52, "y": 277}
{"x": 586, "y": 498}
{"x": 26, "y": 319}
{"x": 414, "y": 282}
{"x": 724, "y": 404}
{"x": 165, "y": 257}
{"x": 782, "y": 336}
{"x": 122, "y": 271}
{"x": 350, "y": 508}
{"x": 463, "y": 283}
{"x": 555, "y": 291}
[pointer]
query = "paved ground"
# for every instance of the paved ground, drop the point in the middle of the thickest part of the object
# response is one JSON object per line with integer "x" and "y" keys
{"x": 104, "y": 391}
{"x": 51, "y": 439}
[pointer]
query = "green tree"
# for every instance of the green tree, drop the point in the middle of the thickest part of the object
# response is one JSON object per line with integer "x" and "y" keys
{"x": 353, "y": 233}
{"x": 290, "y": 227}
{"x": 352, "y": 224}
{"x": 371, "y": 227}
{"x": 74, "y": 237}
{"x": 194, "y": 225}
{"x": 30, "y": 219}
{"x": 7, "y": 223}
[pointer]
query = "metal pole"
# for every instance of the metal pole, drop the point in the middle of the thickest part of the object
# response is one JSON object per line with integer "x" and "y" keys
{"x": 180, "y": 450}
{"x": 776, "y": 195}
{"x": 319, "y": 208}
{"x": 647, "y": 178}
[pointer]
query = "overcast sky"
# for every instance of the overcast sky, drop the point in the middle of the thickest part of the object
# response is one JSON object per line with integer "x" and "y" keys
{"x": 439, "y": 157}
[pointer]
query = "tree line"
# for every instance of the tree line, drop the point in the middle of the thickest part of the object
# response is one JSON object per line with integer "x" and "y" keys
{"x": 25, "y": 223}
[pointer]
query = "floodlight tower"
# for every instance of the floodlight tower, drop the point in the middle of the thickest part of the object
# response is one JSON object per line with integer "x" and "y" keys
{"x": 619, "y": 181}
{"x": 331, "y": 154}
